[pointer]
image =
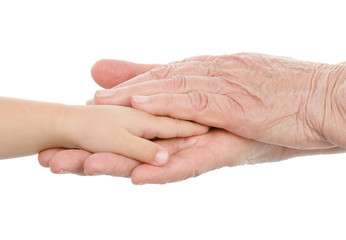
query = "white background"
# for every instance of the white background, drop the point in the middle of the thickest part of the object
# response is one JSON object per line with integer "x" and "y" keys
{"x": 46, "y": 51}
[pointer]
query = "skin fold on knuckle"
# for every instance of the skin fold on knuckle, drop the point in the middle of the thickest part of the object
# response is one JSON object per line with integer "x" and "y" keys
{"x": 199, "y": 101}
{"x": 161, "y": 72}
{"x": 177, "y": 84}
{"x": 211, "y": 69}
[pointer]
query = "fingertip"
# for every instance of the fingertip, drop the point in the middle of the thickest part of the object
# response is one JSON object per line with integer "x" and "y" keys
{"x": 102, "y": 97}
{"x": 45, "y": 156}
{"x": 202, "y": 129}
{"x": 149, "y": 174}
{"x": 93, "y": 165}
{"x": 109, "y": 73}
{"x": 137, "y": 181}
{"x": 90, "y": 102}
{"x": 55, "y": 163}
{"x": 100, "y": 72}
{"x": 161, "y": 158}
{"x": 43, "y": 160}
{"x": 109, "y": 164}
{"x": 69, "y": 160}
{"x": 138, "y": 176}
{"x": 193, "y": 129}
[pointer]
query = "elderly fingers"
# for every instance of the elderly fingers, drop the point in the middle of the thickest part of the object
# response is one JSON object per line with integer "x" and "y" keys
{"x": 109, "y": 164}
{"x": 166, "y": 127}
{"x": 170, "y": 70}
{"x": 177, "y": 84}
{"x": 109, "y": 73}
{"x": 69, "y": 160}
{"x": 204, "y": 108}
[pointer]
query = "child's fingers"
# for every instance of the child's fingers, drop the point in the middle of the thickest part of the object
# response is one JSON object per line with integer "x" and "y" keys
{"x": 140, "y": 149}
{"x": 189, "y": 162}
{"x": 117, "y": 165}
{"x": 166, "y": 127}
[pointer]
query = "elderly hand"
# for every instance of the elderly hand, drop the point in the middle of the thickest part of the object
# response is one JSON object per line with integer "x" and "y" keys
{"x": 189, "y": 157}
{"x": 276, "y": 100}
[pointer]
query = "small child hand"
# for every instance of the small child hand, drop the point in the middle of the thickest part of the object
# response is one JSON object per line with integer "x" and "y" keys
{"x": 123, "y": 131}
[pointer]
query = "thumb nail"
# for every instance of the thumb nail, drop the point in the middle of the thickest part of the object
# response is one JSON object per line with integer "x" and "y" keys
{"x": 161, "y": 158}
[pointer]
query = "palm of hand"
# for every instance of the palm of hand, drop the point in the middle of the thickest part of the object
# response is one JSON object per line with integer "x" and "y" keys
{"x": 190, "y": 157}
{"x": 196, "y": 155}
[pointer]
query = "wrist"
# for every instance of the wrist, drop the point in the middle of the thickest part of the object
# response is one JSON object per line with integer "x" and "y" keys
{"x": 327, "y": 110}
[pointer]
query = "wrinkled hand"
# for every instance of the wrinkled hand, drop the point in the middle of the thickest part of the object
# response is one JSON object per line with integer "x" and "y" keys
{"x": 270, "y": 99}
{"x": 189, "y": 157}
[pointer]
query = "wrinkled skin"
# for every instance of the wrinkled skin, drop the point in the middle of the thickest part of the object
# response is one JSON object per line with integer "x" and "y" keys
{"x": 270, "y": 99}
{"x": 189, "y": 157}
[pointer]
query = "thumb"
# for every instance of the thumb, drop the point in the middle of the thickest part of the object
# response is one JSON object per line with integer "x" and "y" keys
{"x": 109, "y": 73}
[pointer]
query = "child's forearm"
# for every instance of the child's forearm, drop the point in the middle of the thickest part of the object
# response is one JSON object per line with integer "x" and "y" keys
{"x": 27, "y": 127}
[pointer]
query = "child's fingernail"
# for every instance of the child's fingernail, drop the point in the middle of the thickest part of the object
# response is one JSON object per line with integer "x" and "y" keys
{"x": 161, "y": 158}
{"x": 63, "y": 172}
{"x": 90, "y": 102}
{"x": 104, "y": 93}
{"x": 141, "y": 99}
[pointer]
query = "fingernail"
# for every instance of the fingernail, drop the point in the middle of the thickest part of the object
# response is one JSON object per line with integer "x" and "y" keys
{"x": 104, "y": 93}
{"x": 141, "y": 99}
{"x": 161, "y": 158}
{"x": 63, "y": 172}
{"x": 90, "y": 102}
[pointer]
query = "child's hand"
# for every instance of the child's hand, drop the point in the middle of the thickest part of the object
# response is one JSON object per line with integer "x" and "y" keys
{"x": 123, "y": 131}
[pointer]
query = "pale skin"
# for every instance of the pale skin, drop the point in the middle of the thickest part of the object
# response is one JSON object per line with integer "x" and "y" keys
{"x": 271, "y": 99}
{"x": 28, "y": 127}
{"x": 188, "y": 90}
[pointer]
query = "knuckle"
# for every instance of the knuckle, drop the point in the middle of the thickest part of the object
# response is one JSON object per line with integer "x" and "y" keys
{"x": 161, "y": 72}
{"x": 217, "y": 85}
{"x": 178, "y": 83}
{"x": 199, "y": 100}
{"x": 213, "y": 68}
{"x": 214, "y": 58}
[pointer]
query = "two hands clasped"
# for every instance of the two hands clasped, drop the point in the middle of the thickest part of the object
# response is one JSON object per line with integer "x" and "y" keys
{"x": 165, "y": 123}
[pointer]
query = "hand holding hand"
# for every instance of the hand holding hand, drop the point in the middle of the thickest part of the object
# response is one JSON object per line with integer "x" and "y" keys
{"x": 123, "y": 131}
{"x": 270, "y": 99}
{"x": 188, "y": 156}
